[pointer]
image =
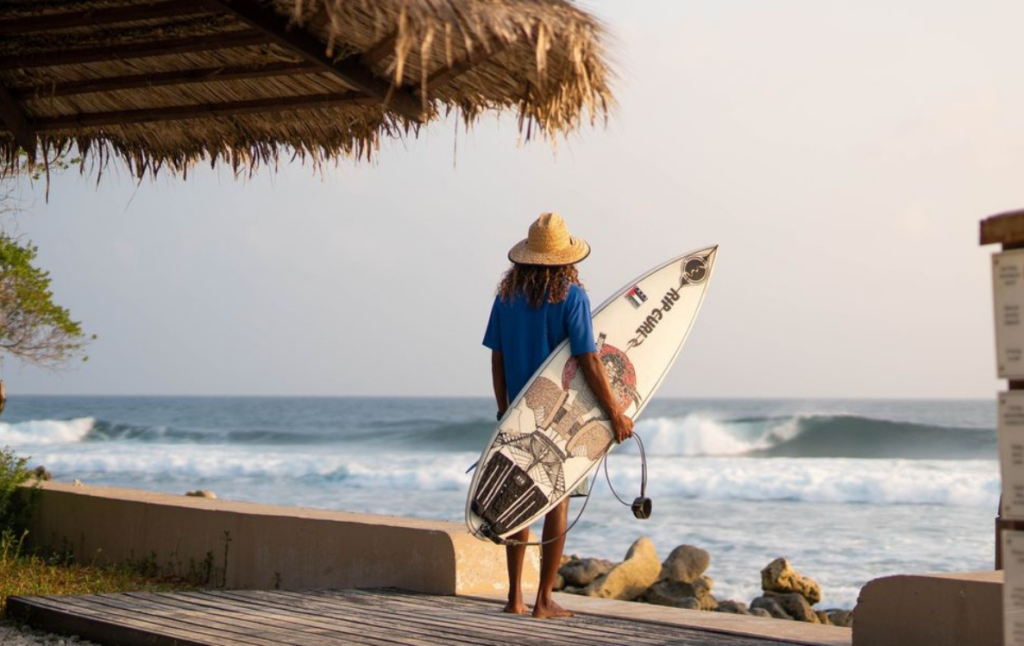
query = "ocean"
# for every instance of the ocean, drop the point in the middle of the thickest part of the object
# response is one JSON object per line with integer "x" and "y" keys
{"x": 846, "y": 490}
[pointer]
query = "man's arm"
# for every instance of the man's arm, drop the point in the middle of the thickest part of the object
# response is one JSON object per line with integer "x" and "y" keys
{"x": 498, "y": 379}
{"x": 593, "y": 372}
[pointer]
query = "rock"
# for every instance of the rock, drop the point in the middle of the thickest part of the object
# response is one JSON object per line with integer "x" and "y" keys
{"x": 671, "y": 593}
{"x": 689, "y": 603}
{"x": 41, "y": 473}
{"x": 629, "y": 579}
{"x": 581, "y": 572}
{"x": 201, "y": 493}
{"x": 823, "y": 617}
{"x": 569, "y": 589}
{"x": 559, "y": 583}
{"x": 685, "y": 564}
{"x": 795, "y": 605}
{"x": 778, "y": 576}
{"x": 842, "y": 618}
{"x": 760, "y": 612}
{"x": 733, "y": 607}
{"x": 668, "y": 593}
{"x": 769, "y": 605}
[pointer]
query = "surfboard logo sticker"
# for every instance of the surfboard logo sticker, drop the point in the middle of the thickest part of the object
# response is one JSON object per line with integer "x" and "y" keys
{"x": 695, "y": 271}
{"x": 621, "y": 377}
{"x": 636, "y": 297}
{"x": 650, "y": 323}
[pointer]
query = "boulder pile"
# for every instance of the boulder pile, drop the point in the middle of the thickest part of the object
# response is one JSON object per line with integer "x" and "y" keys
{"x": 680, "y": 582}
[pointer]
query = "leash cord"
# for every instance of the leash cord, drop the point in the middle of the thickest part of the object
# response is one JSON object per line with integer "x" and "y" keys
{"x": 643, "y": 472}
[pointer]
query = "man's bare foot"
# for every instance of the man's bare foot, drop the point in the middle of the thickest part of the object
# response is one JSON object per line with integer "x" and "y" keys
{"x": 515, "y": 608}
{"x": 550, "y": 610}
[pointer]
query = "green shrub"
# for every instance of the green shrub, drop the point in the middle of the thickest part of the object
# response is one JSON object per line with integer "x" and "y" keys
{"x": 16, "y": 501}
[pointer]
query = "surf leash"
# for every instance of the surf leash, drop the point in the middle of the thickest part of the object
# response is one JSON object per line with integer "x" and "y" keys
{"x": 642, "y": 505}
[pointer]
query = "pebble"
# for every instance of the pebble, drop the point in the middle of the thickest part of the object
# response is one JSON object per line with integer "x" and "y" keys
{"x": 12, "y": 635}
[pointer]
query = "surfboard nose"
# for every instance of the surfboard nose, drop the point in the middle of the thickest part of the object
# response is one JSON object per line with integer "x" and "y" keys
{"x": 710, "y": 254}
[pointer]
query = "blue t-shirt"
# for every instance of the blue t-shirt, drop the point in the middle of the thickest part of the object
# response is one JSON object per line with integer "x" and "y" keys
{"x": 526, "y": 335}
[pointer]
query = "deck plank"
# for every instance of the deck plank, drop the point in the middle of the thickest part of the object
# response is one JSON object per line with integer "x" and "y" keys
{"x": 654, "y": 629}
{"x": 329, "y": 617}
{"x": 352, "y": 629}
{"x": 264, "y": 626}
{"x": 166, "y": 622}
{"x": 449, "y": 630}
{"x": 284, "y": 616}
{"x": 67, "y": 618}
{"x": 489, "y": 618}
{"x": 169, "y": 618}
{"x": 614, "y": 631}
{"x": 455, "y": 629}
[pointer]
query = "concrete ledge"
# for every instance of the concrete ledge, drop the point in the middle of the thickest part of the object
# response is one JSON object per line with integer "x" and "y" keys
{"x": 270, "y": 546}
{"x": 931, "y": 610}
{"x": 791, "y": 632}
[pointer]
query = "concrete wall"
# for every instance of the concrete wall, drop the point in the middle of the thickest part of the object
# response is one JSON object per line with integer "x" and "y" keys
{"x": 963, "y": 609}
{"x": 270, "y": 546}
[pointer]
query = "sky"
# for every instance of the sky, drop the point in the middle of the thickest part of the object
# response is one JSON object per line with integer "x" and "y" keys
{"x": 841, "y": 154}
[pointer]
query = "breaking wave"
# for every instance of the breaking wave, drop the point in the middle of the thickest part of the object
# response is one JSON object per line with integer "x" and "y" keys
{"x": 814, "y": 436}
{"x": 810, "y": 435}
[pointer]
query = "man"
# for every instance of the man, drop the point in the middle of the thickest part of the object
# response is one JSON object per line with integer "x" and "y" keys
{"x": 540, "y": 303}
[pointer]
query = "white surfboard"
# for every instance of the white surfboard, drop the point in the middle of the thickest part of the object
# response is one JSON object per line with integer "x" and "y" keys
{"x": 555, "y": 432}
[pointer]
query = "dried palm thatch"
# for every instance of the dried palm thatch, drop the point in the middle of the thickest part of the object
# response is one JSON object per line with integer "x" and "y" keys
{"x": 165, "y": 84}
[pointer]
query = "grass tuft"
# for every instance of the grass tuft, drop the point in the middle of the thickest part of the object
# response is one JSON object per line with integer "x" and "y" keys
{"x": 36, "y": 574}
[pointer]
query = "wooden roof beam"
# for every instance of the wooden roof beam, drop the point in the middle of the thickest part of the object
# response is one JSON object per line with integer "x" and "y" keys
{"x": 158, "y": 79}
{"x": 446, "y": 75}
{"x": 375, "y": 54}
{"x": 17, "y": 123}
{"x": 351, "y": 70}
{"x": 382, "y": 49}
{"x": 102, "y": 17}
{"x": 201, "y": 111}
{"x": 133, "y": 50}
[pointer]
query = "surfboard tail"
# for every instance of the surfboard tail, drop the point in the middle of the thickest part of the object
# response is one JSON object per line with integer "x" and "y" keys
{"x": 507, "y": 497}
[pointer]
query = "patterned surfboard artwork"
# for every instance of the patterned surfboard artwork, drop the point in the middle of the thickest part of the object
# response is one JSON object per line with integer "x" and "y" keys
{"x": 555, "y": 432}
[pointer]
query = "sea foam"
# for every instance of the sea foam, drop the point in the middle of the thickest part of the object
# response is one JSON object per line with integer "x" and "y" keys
{"x": 45, "y": 432}
{"x": 843, "y": 480}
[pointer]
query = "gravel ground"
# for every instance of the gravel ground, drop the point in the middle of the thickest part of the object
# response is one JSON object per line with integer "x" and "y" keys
{"x": 11, "y": 635}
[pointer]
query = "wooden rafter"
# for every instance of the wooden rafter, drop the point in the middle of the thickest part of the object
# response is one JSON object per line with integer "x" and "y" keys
{"x": 102, "y": 17}
{"x": 158, "y": 79}
{"x": 202, "y": 111}
{"x": 133, "y": 50}
{"x": 16, "y": 121}
{"x": 380, "y": 50}
{"x": 448, "y": 74}
{"x": 351, "y": 70}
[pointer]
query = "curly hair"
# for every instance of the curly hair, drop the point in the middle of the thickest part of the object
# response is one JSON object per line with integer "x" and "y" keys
{"x": 533, "y": 282}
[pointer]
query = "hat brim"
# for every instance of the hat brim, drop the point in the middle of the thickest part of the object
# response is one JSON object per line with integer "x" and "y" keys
{"x": 576, "y": 251}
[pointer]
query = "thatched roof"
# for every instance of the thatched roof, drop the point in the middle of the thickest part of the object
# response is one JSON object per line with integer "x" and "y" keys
{"x": 163, "y": 84}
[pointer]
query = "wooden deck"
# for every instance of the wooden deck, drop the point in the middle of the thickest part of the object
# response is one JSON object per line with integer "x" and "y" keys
{"x": 318, "y": 618}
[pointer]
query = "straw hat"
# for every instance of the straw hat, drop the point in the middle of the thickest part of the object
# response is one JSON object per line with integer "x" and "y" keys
{"x": 549, "y": 243}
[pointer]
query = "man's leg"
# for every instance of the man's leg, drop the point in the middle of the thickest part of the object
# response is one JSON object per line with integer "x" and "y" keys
{"x": 515, "y": 554}
{"x": 550, "y": 560}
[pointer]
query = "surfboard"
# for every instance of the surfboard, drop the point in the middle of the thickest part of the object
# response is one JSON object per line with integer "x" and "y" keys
{"x": 555, "y": 432}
